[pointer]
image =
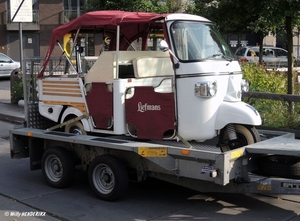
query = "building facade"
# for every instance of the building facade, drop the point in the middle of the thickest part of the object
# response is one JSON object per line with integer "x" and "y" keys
{"x": 48, "y": 15}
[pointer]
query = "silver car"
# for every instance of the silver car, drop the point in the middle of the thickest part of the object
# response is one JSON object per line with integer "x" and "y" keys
{"x": 273, "y": 57}
{"x": 7, "y": 65}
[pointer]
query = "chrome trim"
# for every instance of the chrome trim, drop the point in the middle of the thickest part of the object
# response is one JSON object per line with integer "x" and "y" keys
{"x": 207, "y": 74}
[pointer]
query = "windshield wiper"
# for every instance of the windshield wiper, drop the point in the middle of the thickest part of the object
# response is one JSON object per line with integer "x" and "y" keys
{"x": 217, "y": 55}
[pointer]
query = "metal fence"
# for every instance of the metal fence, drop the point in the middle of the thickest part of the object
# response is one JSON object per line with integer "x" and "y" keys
{"x": 58, "y": 66}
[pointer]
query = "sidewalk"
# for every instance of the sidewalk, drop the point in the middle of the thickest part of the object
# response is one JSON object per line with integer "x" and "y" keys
{"x": 10, "y": 112}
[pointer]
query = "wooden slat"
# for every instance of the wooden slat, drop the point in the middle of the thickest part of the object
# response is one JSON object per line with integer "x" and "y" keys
{"x": 62, "y": 94}
{"x": 60, "y": 86}
{"x": 61, "y": 90}
{"x": 60, "y": 82}
{"x": 79, "y": 105}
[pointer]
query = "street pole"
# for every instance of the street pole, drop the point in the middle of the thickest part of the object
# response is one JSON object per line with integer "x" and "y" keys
{"x": 23, "y": 69}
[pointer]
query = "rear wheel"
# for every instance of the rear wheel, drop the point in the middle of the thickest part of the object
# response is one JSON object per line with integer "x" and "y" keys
{"x": 245, "y": 135}
{"x": 75, "y": 128}
{"x": 108, "y": 177}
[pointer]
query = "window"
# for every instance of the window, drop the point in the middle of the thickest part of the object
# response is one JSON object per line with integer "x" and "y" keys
{"x": 4, "y": 59}
{"x": 253, "y": 52}
{"x": 197, "y": 41}
{"x": 71, "y": 9}
{"x": 280, "y": 53}
{"x": 241, "y": 52}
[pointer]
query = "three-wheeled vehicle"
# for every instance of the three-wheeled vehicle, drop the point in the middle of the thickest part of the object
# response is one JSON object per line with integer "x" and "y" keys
{"x": 189, "y": 88}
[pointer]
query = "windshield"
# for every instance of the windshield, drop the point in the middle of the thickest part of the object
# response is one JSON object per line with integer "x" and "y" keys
{"x": 196, "y": 41}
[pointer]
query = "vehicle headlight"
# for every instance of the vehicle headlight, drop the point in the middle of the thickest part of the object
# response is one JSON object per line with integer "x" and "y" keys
{"x": 245, "y": 85}
{"x": 205, "y": 89}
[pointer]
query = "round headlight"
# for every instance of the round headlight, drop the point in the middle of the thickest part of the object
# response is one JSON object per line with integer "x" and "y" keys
{"x": 205, "y": 89}
{"x": 212, "y": 88}
{"x": 245, "y": 85}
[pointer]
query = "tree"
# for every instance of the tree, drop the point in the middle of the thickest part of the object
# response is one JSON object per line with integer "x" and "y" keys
{"x": 156, "y": 6}
{"x": 287, "y": 13}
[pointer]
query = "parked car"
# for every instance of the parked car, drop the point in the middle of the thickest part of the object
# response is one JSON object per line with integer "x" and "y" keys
{"x": 273, "y": 57}
{"x": 7, "y": 65}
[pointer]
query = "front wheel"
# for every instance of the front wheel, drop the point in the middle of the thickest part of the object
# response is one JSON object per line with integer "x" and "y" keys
{"x": 108, "y": 177}
{"x": 245, "y": 135}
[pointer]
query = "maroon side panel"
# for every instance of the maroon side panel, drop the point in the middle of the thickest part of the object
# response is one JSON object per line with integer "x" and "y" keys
{"x": 151, "y": 113}
{"x": 100, "y": 104}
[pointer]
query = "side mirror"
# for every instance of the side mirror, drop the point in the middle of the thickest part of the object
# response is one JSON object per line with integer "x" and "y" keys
{"x": 164, "y": 46}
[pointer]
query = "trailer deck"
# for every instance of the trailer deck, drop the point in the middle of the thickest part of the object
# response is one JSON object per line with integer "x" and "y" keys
{"x": 203, "y": 167}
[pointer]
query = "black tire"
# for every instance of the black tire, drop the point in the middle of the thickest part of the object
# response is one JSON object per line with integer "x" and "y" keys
{"x": 75, "y": 128}
{"x": 279, "y": 166}
{"x": 245, "y": 135}
{"x": 58, "y": 167}
{"x": 108, "y": 177}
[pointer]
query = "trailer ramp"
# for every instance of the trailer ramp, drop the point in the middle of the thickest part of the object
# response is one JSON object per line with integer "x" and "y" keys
{"x": 282, "y": 143}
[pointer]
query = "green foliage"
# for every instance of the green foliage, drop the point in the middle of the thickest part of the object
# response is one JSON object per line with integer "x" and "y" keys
{"x": 17, "y": 90}
{"x": 262, "y": 80}
{"x": 156, "y": 6}
{"x": 274, "y": 113}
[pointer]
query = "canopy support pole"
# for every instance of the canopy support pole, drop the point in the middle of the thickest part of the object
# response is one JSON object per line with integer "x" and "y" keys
{"x": 118, "y": 51}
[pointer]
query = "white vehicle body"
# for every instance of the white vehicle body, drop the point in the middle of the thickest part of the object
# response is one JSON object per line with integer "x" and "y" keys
{"x": 199, "y": 78}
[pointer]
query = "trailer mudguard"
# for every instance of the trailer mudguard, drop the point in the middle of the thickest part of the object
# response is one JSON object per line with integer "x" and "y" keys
{"x": 236, "y": 112}
{"x": 74, "y": 111}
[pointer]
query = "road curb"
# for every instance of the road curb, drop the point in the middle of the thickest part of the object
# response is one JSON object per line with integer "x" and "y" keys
{"x": 12, "y": 119}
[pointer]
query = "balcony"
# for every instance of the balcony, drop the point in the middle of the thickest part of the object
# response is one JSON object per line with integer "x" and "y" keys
{"x": 27, "y": 26}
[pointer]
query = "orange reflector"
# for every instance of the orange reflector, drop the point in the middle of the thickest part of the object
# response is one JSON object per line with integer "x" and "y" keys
{"x": 29, "y": 134}
{"x": 185, "y": 152}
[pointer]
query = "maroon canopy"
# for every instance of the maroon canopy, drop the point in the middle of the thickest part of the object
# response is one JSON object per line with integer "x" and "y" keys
{"x": 132, "y": 25}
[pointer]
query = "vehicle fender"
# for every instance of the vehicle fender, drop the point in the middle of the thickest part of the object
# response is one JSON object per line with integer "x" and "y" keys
{"x": 236, "y": 112}
{"x": 44, "y": 110}
{"x": 77, "y": 113}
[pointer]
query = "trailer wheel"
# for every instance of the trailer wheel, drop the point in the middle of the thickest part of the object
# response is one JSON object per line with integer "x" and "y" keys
{"x": 75, "y": 128}
{"x": 245, "y": 135}
{"x": 279, "y": 166}
{"x": 58, "y": 167}
{"x": 108, "y": 177}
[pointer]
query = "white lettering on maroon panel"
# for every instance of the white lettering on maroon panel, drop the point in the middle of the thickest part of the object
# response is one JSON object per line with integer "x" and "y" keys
{"x": 147, "y": 107}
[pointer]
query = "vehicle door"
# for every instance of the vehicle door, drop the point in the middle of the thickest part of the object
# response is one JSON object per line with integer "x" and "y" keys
{"x": 281, "y": 56}
{"x": 6, "y": 65}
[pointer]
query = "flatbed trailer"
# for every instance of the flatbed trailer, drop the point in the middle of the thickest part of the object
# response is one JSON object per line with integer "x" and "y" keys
{"x": 202, "y": 167}
{"x": 175, "y": 114}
